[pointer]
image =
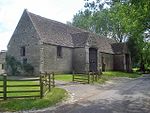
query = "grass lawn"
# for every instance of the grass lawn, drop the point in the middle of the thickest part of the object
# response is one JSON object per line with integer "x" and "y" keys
{"x": 67, "y": 77}
{"x": 121, "y": 74}
{"x": 111, "y": 74}
{"x": 105, "y": 76}
{"x": 21, "y": 88}
{"x": 53, "y": 97}
{"x": 64, "y": 77}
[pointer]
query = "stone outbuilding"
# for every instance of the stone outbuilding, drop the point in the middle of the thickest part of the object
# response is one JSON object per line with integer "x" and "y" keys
{"x": 2, "y": 61}
{"x": 52, "y": 46}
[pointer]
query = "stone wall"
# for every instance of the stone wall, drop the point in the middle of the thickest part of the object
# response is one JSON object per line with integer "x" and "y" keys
{"x": 25, "y": 35}
{"x": 52, "y": 63}
{"x": 1, "y": 70}
{"x": 79, "y": 60}
{"x": 2, "y": 62}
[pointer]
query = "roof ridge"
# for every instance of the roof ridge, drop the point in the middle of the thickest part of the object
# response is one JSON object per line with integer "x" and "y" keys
{"x": 58, "y": 22}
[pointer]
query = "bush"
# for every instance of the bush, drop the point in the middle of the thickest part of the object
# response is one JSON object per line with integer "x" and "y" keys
{"x": 16, "y": 68}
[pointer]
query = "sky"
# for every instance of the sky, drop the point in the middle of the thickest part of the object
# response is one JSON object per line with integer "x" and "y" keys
{"x": 11, "y": 11}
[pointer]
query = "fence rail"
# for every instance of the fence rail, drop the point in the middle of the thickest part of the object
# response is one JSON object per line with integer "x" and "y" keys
{"x": 42, "y": 85}
{"x": 86, "y": 78}
{"x": 82, "y": 78}
{"x": 47, "y": 81}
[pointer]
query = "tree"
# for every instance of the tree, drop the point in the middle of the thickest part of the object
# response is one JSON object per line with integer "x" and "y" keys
{"x": 105, "y": 22}
{"x": 138, "y": 25}
{"x": 123, "y": 20}
{"x": 83, "y": 19}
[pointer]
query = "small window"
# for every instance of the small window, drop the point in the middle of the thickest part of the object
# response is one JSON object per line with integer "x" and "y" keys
{"x": 24, "y": 60}
{"x": 59, "y": 51}
{"x": 2, "y": 66}
{"x": 22, "y": 51}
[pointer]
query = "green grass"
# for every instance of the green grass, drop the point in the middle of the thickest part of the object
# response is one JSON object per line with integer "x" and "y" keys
{"x": 20, "y": 88}
{"x": 105, "y": 76}
{"x": 64, "y": 77}
{"x": 136, "y": 69}
{"x": 103, "y": 79}
{"x": 53, "y": 97}
{"x": 111, "y": 74}
{"x": 121, "y": 74}
{"x": 67, "y": 77}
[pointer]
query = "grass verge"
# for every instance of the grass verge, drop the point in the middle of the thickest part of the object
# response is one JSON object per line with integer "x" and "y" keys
{"x": 21, "y": 88}
{"x": 105, "y": 76}
{"x": 53, "y": 97}
{"x": 111, "y": 74}
{"x": 121, "y": 74}
{"x": 64, "y": 77}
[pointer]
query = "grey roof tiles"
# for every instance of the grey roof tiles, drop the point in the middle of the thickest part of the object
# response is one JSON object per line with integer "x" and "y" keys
{"x": 56, "y": 33}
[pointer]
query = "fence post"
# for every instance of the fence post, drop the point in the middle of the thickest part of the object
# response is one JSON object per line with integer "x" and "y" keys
{"x": 41, "y": 87}
{"x": 96, "y": 76}
{"x": 72, "y": 75}
{"x": 49, "y": 77}
{"x": 5, "y": 87}
{"x": 53, "y": 79}
{"x": 88, "y": 78}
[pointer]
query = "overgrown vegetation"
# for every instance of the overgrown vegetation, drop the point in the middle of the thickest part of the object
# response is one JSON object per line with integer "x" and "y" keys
{"x": 53, "y": 97}
{"x": 16, "y": 68}
{"x": 123, "y": 20}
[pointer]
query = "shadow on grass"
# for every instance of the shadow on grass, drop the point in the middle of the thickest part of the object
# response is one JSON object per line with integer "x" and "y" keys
{"x": 53, "y": 97}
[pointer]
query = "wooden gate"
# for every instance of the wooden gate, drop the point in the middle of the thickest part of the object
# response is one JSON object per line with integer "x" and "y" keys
{"x": 86, "y": 78}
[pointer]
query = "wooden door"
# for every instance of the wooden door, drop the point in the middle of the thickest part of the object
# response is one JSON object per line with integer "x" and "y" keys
{"x": 127, "y": 62}
{"x": 93, "y": 59}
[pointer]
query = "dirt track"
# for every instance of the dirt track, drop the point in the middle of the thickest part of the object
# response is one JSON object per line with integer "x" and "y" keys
{"x": 120, "y": 95}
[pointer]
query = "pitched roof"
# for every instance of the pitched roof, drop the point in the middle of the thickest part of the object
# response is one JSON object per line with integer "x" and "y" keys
{"x": 103, "y": 43}
{"x": 119, "y": 48}
{"x": 57, "y": 33}
{"x": 54, "y": 32}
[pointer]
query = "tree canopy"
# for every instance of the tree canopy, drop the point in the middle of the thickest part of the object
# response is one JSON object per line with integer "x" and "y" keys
{"x": 123, "y": 20}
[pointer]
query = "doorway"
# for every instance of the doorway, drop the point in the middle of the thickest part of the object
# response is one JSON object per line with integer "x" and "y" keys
{"x": 93, "y": 59}
{"x": 127, "y": 62}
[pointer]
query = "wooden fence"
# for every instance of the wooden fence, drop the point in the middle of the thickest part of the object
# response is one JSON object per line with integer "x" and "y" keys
{"x": 47, "y": 81}
{"x": 86, "y": 78}
{"x": 42, "y": 85}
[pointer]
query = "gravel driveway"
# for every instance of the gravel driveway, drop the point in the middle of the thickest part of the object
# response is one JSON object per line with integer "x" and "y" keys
{"x": 120, "y": 95}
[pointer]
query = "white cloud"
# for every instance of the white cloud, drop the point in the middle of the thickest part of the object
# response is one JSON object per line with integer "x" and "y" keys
{"x": 11, "y": 11}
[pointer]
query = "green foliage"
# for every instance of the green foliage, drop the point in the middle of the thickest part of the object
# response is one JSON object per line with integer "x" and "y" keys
{"x": 16, "y": 68}
{"x": 83, "y": 19}
{"x": 122, "y": 20}
{"x": 13, "y": 65}
{"x": 105, "y": 22}
{"x": 53, "y": 97}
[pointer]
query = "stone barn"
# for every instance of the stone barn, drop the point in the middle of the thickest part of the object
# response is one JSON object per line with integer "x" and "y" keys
{"x": 52, "y": 46}
{"x": 2, "y": 61}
